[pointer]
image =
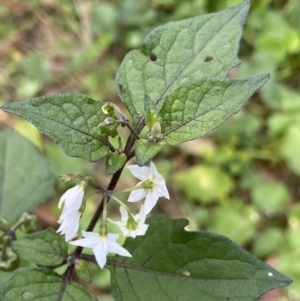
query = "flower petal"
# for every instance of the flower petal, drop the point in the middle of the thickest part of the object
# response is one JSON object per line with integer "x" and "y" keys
{"x": 124, "y": 214}
{"x": 141, "y": 230}
{"x": 100, "y": 252}
{"x": 151, "y": 200}
{"x": 83, "y": 242}
{"x": 112, "y": 236}
{"x": 137, "y": 195}
{"x": 72, "y": 198}
{"x": 114, "y": 247}
{"x": 87, "y": 234}
{"x": 153, "y": 171}
{"x": 163, "y": 191}
{"x": 69, "y": 224}
{"x": 139, "y": 172}
{"x": 141, "y": 217}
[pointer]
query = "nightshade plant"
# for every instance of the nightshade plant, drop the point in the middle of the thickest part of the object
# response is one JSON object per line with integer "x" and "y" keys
{"x": 176, "y": 88}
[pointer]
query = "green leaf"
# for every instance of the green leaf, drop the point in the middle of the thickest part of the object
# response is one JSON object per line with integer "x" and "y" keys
{"x": 179, "y": 52}
{"x": 169, "y": 263}
{"x": 83, "y": 271}
{"x": 195, "y": 109}
{"x": 114, "y": 162}
{"x": 145, "y": 151}
{"x": 45, "y": 247}
{"x": 32, "y": 284}
{"x": 25, "y": 176}
{"x": 69, "y": 119}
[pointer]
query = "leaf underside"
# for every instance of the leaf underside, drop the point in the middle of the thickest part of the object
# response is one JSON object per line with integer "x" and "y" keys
{"x": 180, "y": 52}
{"x": 21, "y": 168}
{"x": 70, "y": 119}
{"x": 169, "y": 263}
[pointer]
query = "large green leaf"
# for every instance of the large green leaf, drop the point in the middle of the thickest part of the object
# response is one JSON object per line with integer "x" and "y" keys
{"x": 44, "y": 247}
{"x": 179, "y": 52}
{"x": 32, "y": 284}
{"x": 70, "y": 119}
{"x": 25, "y": 176}
{"x": 169, "y": 263}
{"x": 195, "y": 109}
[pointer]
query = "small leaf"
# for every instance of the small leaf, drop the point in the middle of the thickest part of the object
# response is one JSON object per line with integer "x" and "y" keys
{"x": 179, "y": 52}
{"x": 70, "y": 119}
{"x": 33, "y": 284}
{"x": 83, "y": 271}
{"x": 45, "y": 247}
{"x": 25, "y": 176}
{"x": 151, "y": 113}
{"x": 173, "y": 264}
{"x": 114, "y": 162}
{"x": 197, "y": 108}
{"x": 145, "y": 151}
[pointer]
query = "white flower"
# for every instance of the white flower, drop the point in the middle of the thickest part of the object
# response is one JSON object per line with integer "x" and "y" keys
{"x": 101, "y": 245}
{"x": 70, "y": 216}
{"x": 157, "y": 189}
{"x": 69, "y": 224}
{"x": 133, "y": 226}
{"x": 72, "y": 198}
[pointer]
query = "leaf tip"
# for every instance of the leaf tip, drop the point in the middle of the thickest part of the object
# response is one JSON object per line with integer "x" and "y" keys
{"x": 264, "y": 77}
{"x": 243, "y": 7}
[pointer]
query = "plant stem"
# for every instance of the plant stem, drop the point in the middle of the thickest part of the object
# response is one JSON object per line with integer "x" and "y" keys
{"x": 126, "y": 123}
{"x": 111, "y": 187}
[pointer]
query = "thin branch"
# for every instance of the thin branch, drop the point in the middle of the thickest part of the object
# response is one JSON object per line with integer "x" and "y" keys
{"x": 135, "y": 134}
{"x": 111, "y": 186}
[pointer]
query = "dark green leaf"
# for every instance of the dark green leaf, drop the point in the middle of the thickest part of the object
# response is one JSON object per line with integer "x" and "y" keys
{"x": 145, "y": 151}
{"x": 71, "y": 120}
{"x": 25, "y": 176}
{"x": 114, "y": 162}
{"x": 179, "y": 52}
{"x": 169, "y": 263}
{"x": 44, "y": 247}
{"x": 195, "y": 109}
{"x": 39, "y": 284}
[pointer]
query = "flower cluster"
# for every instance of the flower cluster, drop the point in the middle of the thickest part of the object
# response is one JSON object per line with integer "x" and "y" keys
{"x": 151, "y": 187}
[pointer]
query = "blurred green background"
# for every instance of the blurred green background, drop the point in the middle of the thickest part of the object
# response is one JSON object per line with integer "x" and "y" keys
{"x": 242, "y": 180}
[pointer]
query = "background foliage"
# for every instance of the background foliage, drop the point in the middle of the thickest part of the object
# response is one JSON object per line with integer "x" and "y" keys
{"x": 242, "y": 180}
